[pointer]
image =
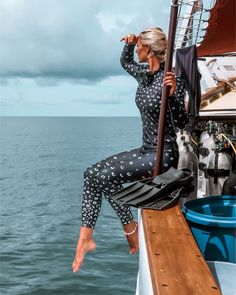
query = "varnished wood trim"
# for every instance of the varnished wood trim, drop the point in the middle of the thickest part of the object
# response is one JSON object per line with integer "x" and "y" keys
{"x": 176, "y": 264}
{"x": 219, "y": 117}
{"x": 222, "y": 86}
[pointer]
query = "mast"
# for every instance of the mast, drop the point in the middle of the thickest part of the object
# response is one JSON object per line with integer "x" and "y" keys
{"x": 165, "y": 89}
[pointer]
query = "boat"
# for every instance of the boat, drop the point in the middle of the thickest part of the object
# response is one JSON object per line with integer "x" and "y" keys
{"x": 171, "y": 260}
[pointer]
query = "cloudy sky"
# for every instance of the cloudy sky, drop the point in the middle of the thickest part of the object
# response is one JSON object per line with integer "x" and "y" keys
{"x": 61, "y": 57}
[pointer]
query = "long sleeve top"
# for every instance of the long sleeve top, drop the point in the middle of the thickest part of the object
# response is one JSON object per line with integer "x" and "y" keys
{"x": 148, "y": 100}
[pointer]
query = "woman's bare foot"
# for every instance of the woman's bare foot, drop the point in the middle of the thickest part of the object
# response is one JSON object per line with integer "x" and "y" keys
{"x": 83, "y": 246}
{"x": 133, "y": 237}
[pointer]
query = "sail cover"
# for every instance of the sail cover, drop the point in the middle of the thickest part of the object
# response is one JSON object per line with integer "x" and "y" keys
{"x": 221, "y": 32}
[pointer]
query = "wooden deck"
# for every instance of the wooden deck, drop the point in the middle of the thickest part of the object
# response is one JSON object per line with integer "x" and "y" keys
{"x": 176, "y": 264}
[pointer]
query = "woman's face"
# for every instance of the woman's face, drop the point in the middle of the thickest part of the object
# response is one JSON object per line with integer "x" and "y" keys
{"x": 142, "y": 51}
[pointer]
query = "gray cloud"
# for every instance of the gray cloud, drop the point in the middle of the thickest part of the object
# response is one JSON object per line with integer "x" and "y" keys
{"x": 77, "y": 40}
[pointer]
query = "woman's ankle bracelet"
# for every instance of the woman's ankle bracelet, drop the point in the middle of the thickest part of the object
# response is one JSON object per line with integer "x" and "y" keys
{"x": 133, "y": 231}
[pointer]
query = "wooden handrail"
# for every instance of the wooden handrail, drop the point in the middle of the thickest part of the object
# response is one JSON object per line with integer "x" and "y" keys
{"x": 175, "y": 261}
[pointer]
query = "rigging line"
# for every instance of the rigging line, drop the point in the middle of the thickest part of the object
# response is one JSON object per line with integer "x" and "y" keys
{"x": 195, "y": 6}
{"x": 193, "y": 29}
{"x": 193, "y": 17}
{"x": 191, "y": 26}
{"x": 189, "y": 2}
{"x": 196, "y": 37}
{"x": 179, "y": 12}
{"x": 213, "y": 3}
{"x": 179, "y": 29}
{"x": 189, "y": 35}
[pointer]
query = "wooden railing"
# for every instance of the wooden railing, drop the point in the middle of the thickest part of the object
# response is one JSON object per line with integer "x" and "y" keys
{"x": 176, "y": 264}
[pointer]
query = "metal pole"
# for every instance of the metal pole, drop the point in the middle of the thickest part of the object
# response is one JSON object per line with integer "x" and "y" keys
{"x": 165, "y": 90}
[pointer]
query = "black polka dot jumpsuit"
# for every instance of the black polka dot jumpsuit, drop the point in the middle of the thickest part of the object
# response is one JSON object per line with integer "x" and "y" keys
{"x": 107, "y": 176}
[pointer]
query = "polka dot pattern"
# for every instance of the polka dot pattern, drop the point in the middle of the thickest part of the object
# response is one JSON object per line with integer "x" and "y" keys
{"x": 107, "y": 176}
{"x": 148, "y": 100}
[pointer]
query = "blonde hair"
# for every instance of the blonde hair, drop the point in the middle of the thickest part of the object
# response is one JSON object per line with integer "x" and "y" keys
{"x": 156, "y": 39}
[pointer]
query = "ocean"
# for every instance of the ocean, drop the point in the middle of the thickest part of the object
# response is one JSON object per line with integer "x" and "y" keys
{"x": 41, "y": 176}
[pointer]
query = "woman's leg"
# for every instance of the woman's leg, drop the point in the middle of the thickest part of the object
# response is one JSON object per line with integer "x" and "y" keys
{"x": 106, "y": 177}
{"x": 102, "y": 178}
{"x": 96, "y": 180}
{"x": 85, "y": 244}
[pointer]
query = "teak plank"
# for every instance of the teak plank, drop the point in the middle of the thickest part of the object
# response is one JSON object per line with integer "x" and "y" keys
{"x": 175, "y": 261}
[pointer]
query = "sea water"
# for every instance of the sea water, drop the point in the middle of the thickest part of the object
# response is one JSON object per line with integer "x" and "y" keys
{"x": 41, "y": 178}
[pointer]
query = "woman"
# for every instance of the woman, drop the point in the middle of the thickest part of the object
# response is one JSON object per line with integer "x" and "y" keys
{"x": 106, "y": 177}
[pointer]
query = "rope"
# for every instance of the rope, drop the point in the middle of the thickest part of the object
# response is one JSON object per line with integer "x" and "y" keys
{"x": 193, "y": 140}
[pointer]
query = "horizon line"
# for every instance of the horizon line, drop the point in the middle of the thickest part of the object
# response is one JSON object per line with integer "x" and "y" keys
{"x": 43, "y": 116}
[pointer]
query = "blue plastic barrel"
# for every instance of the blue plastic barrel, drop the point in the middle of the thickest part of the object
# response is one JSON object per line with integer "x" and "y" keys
{"x": 213, "y": 223}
